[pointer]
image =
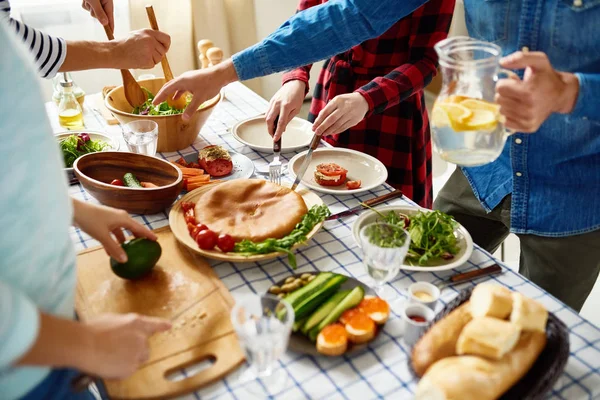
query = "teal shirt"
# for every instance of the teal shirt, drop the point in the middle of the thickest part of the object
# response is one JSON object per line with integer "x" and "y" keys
{"x": 37, "y": 257}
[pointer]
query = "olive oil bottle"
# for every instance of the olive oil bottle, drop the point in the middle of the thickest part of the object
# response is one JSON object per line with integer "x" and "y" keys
{"x": 70, "y": 114}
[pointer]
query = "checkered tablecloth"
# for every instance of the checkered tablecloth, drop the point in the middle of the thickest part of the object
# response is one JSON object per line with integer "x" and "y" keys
{"x": 381, "y": 370}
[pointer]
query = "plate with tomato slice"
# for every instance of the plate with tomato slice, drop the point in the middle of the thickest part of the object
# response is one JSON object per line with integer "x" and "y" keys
{"x": 340, "y": 171}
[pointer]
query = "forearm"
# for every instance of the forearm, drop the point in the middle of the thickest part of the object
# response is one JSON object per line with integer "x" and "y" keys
{"x": 84, "y": 55}
{"x": 60, "y": 343}
{"x": 316, "y": 34}
{"x": 585, "y": 89}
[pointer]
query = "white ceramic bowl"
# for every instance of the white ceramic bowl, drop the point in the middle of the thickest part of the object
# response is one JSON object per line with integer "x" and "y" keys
{"x": 94, "y": 135}
{"x": 253, "y": 133}
{"x": 464, "y": 239}
{"x": 413, "y": 329}
{"x": 424, "y": 287}
{"x": 369, "y": 170}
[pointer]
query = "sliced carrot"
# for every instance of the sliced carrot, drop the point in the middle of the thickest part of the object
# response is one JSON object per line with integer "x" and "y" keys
{"x": 181, "y": 162}
{"x": 192, "y": 171}
{"x": 148, "y": 185}
{"x": 198, "y": 178}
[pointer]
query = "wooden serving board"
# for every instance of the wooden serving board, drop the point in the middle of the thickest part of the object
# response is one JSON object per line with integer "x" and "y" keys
{"x": 182, "y": 288}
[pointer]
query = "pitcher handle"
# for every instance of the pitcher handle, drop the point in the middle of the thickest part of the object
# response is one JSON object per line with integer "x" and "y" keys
{"x": 508, "y": 74}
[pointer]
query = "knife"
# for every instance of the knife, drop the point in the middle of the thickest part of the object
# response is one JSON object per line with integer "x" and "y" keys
{"x": 371, "y": 203}
{"x": 313, "y": 145}
{"x": 469, "y": 276}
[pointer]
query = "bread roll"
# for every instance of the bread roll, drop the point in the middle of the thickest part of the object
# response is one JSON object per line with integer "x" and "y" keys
{"x": 528, "y": 314}
{"x": 440, "y": 341}
{"x": 487, "y": 337}
{"x": 475, "y": 378}
{"x": 491, "y": 301}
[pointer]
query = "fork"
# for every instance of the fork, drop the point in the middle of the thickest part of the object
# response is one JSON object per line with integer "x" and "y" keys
{"x": 275, "y": 165}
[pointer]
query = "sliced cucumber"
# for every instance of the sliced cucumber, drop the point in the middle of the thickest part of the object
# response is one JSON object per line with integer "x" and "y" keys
{"x": 351, "y": 300}
{"x": 298, "y": 296}
{"x": 131, "y": 181}
{"x": 318, "y": 297}
{"x": 324, "y": 310}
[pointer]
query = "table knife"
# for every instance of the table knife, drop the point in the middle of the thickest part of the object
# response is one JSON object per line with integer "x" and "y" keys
{"x": 469, "y": 276}
{"x": 313, "y": 145}
{"x": 371, "y": 203}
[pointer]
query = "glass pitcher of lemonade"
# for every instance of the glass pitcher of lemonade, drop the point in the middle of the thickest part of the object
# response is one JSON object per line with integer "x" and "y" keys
{"x": 466, "y": 125}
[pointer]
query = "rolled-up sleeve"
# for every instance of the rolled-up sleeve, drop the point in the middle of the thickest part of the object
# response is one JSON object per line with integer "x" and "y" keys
{"x": 19, "y": 324}
{"x": 589, "y": 95}
{"x": 319, "y": 33}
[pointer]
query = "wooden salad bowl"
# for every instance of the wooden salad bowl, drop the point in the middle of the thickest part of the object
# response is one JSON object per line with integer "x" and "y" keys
{"x": 95, "y": 171}
{"x": 180, "y": 229}
{"x": 174, "y": 134}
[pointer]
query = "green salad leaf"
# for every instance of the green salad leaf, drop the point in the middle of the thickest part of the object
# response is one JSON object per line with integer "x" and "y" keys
{"x": 431, "y": 234}
{"x": 162, "y": 109}
{"x": 315, "y": 216}
{"x": 75, "y": 146}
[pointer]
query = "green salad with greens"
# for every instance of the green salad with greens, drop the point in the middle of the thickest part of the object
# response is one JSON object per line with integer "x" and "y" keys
{"x": 74, "y": 146}
{"x": 431, "y": 235}
{"x": 315, "y": 216}
{"x": 162, "y": 109}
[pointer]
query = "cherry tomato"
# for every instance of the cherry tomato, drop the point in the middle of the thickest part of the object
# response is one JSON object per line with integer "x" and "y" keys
{"x": 201, "y": 227}
{"x": 331, "y": 169}
{"x": 197, "y": 229}
{"x": 187, "y": 205}
{"x": 225, "y": 243}
{"x": 117, "y": 182}
{"x": 207, "y": 239}
{"x": 353, "y": 184}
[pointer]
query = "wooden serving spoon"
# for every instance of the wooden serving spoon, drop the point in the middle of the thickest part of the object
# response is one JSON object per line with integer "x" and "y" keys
{"x": 133, "y": 92}
{"x": 181, "y": 102}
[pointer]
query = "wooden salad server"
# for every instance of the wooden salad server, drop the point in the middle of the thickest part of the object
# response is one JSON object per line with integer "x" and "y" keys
{"x": 164, "y": 62}
{"x": 133, "y": 92}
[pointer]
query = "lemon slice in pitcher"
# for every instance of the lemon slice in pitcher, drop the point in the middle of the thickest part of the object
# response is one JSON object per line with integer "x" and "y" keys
{"x": 474, "y": 104}
{"x": 452, "y": 114}
{"x": 481, "y": 120}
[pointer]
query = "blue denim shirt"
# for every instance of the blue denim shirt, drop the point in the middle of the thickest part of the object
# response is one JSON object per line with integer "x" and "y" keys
{"x": 553, "y": 174}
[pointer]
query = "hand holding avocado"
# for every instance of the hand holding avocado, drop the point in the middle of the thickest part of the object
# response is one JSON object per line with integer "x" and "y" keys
{"x": 106, "y": 225}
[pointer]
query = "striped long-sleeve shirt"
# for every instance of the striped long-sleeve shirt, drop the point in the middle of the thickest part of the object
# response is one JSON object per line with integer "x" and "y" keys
{"x": 49, "y": 52}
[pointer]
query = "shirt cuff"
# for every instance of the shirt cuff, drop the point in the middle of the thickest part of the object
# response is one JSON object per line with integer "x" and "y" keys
{"x": 369, "y": 99}
{"x": 19, "y": 324}
{"x": 252, "y": 62}
{"x": 586, "y": 106}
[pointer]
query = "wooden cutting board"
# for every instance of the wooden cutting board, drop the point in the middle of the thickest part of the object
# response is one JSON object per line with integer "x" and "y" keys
{"x": 182, "y": 288}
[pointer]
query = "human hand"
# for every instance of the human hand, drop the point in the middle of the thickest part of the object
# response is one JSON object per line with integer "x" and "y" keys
{"x": 119, "y": 344}
{"x": 527, "y": 103}
{"x": 102, "y": 10}
{"x": 142, "y": 49}
{"x": 106, "y": 224}
{"x": 203, "y": 84}
{"x": 285, "y": 104}
{"x": 341, "y": 113}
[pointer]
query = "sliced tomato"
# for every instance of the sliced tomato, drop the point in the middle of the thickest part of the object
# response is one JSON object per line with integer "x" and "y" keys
{"x": 187, "y": 205}
{"x": 117, "y": 182}
{"x": 353, "y": 184}
{"x": 331, "y": 169}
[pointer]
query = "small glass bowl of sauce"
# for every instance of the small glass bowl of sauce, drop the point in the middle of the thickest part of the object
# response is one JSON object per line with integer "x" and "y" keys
{"x": 424, "y": 293}
{"x": 416, "y": 318}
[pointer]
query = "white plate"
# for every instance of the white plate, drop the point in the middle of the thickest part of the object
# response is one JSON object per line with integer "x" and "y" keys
{"x": 254, "y": 134}
{"x": 464, "y": 239}
{"x": 369, "y": 170}
{"x": 243, "y": 167}
{"x": 94, "y": 135}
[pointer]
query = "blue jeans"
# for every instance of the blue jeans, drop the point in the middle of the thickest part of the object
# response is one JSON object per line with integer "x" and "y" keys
{"x": 57, "y": 386}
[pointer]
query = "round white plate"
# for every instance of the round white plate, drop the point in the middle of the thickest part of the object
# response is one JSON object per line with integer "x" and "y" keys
{"x": 94, "y": 135}
{"x": 464, "y": 239}
{"x": 369, "y": 170}
{"x": 254, "y": 134}
{"x": 243, "y": 167}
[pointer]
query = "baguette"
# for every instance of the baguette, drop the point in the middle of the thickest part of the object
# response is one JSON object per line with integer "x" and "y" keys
{"x": 440, "y": 341}
{"x": 489, "y": 300}
{"x": 474, "y": 378}
{"x": 487, "y": 337}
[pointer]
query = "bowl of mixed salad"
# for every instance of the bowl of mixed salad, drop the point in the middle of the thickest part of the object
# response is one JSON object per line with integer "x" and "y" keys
{"x": 438, "y": 242}
{"x": 74, "y": 144}
{"x": 173, "y": 133}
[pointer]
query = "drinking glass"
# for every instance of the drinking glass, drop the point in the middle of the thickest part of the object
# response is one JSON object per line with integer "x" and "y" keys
{"x": 141, "y": 137}
{"x": 384, "y": 248}
{"x": 263, "y": 324}
{"x": 466, "y": 125}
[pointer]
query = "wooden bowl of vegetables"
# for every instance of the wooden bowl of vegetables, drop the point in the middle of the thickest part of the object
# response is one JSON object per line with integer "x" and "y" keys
{"x": 136, "y": 183}
{"x": 174, "y": 134}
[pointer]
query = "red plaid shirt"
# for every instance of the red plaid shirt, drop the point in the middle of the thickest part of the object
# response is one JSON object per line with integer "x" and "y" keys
{"x": 391, "y": 72}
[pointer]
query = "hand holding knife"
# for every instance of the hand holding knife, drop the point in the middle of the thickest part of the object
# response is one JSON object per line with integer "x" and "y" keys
{"x": 302, "y": 170}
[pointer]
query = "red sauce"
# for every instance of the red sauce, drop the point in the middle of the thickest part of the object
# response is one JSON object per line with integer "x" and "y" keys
{"x": 417, "y": 318}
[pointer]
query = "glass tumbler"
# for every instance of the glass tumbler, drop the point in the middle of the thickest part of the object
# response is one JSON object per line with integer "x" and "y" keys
{"x": 141, "y": 137}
